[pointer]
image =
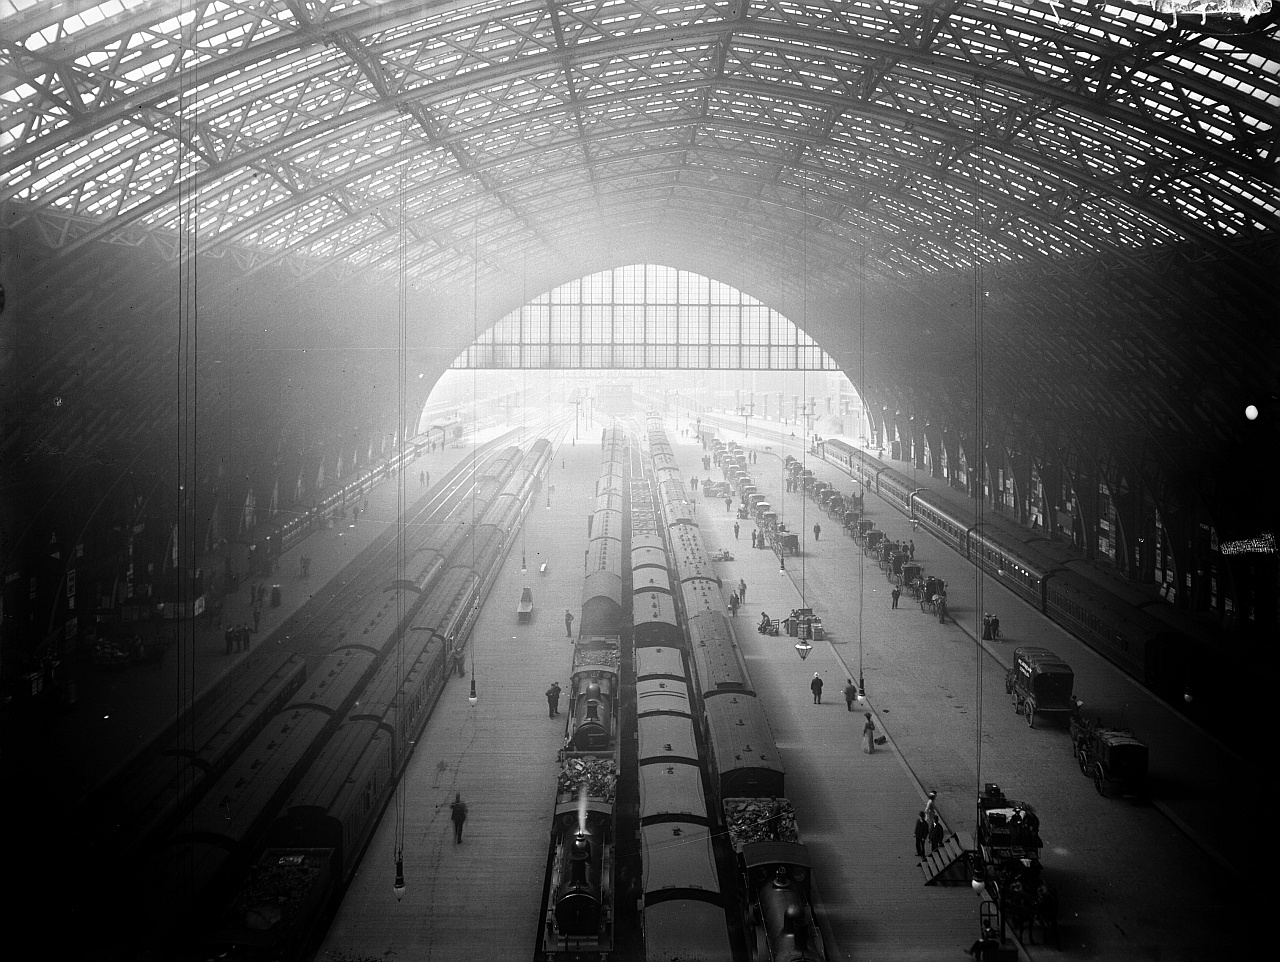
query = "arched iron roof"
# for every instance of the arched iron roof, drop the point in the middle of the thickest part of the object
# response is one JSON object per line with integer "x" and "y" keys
{"x": 908, "y": 137}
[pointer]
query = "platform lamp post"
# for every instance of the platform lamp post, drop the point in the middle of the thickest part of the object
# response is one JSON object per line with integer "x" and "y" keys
{"x": 803, "y": 648}
{"x": 475, "y": 613}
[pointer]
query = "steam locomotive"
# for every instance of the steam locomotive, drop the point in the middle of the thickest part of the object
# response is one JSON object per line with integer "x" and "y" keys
{"x": 579, "y": 912}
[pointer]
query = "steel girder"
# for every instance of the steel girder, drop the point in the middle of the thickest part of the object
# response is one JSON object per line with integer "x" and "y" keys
{"x": 1111, "y": 126}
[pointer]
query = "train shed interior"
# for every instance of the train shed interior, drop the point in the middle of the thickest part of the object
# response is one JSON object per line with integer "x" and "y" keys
{"x": 242, "y": 244}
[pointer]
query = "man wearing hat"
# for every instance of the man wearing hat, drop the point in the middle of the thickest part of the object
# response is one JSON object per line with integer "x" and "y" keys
{"x": 815, "y": 686}
{"x": 553, "y": 700}
{"x": 931, "y": 809}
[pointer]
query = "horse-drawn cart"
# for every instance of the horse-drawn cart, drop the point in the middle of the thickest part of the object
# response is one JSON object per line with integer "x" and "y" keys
{"x": 1110, "y": 756}
{"x": 1008, "y": 845}
{"x": 1039, "y": 681}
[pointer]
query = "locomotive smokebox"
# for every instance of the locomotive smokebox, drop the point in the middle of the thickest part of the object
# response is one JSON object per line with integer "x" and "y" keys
{"x": 578, "y": 901}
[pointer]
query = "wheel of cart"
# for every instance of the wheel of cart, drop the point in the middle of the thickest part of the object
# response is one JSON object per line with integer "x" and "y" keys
{"x": 1099, "y": 774}
{"x": 1029, "y": 708}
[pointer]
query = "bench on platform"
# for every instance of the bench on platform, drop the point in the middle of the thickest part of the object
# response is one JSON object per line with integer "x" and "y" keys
{"x": 524, "y": 611}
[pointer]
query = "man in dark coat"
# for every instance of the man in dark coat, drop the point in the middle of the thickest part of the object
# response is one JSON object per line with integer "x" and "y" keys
{"x": 922, "y": 833}
{"x": 850, "y": 693}
{"x": 935, "y": 836}
{"x": 815, "y": 686}
{"x": 568, "y": 622}
{"x": 817, "y": 531}
{"x": 458, "y": 809}
{"x": 896, "y": 593}
{"x": 553, "y": 699}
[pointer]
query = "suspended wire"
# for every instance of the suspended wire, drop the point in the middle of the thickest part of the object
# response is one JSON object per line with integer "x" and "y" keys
{"x": 402, "y": 376}
{"x": 187, "y": 424}
{"x": 804, "y": 373}
{"x": 524, "y": 384}
{"x": 862, "y": 568}
{"x": 979, "y": 443}
{"x": 475, "y": 420}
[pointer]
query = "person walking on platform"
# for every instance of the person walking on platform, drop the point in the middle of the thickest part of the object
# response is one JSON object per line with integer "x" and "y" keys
{"x": 895, "y": 594}
{"x": 742, "y": 591}
{"x": 935, "y": 836}
{"x": 922, "y": 833}
{"x": 817, "y": 531}
{"x": 986, "y": 627}
{"x": 850, "y": 693}
{"x": 733, "y": 603}
{"x": 553, "y": 700}
{"x": 815, "y": 686}
{"x": 728, "y": 505}
{"x": 868, "y": 735}
{"x": 995, "y": 627}
{"x": 911, "y": 550}
{"x": 735, "y": 534}
{"x": 931, "y": 808}
{"x": 458, "y": 812}
{"x": 257, "y": 616}
{"x": 568, "y": 622}
{"x": 942, "y": 608}
{"x": 753, "y": 534}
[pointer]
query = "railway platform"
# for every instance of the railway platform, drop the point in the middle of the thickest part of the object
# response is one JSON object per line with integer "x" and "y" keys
{"x": 855, "y": 812}
{"x": 481, "y": 899}
{"x": 1169, "y": 878}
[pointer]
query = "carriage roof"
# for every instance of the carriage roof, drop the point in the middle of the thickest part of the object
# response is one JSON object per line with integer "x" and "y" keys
{"x": 1036, "y": 661}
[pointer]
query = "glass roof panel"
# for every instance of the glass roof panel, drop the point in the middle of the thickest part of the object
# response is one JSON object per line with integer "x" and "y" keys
{"x": 881, "y": 103}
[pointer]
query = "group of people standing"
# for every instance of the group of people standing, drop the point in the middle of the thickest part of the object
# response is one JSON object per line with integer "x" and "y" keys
{"x": 929, "y": 827}
{"x": 236, "y": 638}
